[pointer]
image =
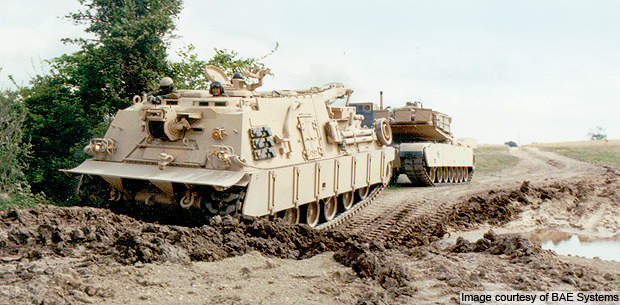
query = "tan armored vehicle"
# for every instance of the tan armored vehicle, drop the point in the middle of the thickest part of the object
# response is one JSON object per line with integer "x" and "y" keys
{"x": 287, "y": 153}
{"x": 426, "y": 150}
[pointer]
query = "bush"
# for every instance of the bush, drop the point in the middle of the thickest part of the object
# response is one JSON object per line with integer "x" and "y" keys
{"x": 14, "y": 189}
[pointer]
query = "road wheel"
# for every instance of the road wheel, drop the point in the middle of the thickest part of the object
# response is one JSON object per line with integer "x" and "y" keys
{"x": 312, "y": 213}
{"x": 290, "y": 215}
{"x": 362, "y": 192}
{"x": 330, "y": 208}
{"x": 346, "y": 200}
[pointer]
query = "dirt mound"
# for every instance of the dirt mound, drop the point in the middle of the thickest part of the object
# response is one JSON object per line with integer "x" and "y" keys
{"x": 513, "y": 246}
{"x": 510, "y": 261}
{"x": 495, "y": 207}
{"x": 499, "y": 207}
{"x": 368, "y": 259}
{"x": 51, "y": 231}
{"x": 421, "y": 231}
{"x": 75, "y": 231}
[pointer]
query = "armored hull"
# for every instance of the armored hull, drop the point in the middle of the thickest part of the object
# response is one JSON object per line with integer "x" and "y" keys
{"x": 287, "y": 154}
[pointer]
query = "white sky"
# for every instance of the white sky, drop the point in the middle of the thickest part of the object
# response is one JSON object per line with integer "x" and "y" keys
{"x": 529, "y": 71}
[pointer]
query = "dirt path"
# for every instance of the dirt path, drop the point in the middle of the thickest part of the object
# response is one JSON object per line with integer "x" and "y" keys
{"x": 57, "y": 255}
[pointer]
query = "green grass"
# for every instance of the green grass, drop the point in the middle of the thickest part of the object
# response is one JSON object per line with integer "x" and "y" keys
{"x": 604, "y": 152}
{"x": 493, "y": 158}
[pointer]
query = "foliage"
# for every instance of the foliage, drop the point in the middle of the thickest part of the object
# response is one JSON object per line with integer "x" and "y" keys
{"x": 188, "y": 73}
{"x": 12, "y": 151}
{"x": 22, "y": 201}
{"x": 511, "y": 144}
{"x": 14, "y": 188}
{"x": 230, "y": 62}
{"x": 597, "y": 133}
{"x": 128, "y": 51}
{"x": 56, "y": 126}
{"x": 124, "y": 54}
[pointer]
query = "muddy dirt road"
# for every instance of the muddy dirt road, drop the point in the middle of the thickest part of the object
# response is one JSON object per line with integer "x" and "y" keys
{"x": 410, "y": 246}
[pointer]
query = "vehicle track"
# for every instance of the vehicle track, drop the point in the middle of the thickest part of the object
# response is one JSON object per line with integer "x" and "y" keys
{"x": 382, "y": 221}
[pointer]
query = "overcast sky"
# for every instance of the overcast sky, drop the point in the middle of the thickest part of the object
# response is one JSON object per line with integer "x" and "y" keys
{"x": 529, "y": 71}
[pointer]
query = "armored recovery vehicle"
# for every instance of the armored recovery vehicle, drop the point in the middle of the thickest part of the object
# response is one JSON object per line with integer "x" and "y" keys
{"x": 286, "y": 153}
{"x": 426, "y": 151}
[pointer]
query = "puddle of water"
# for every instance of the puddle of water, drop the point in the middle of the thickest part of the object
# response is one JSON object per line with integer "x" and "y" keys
{"x": 604, "y": 249}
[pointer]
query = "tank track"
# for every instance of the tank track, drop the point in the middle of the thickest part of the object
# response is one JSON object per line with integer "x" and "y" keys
{"x": 414, "y": 166}
{"x": 346, "y": 215}
{"x": 94, "y": 192}
{"x": 383, "y": 222}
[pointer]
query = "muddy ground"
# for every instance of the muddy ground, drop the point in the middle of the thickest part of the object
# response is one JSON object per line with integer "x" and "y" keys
{"x": 411, "y": 246}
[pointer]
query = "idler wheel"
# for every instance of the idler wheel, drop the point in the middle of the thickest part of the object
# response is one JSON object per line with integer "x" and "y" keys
{"x": 330, "y": 208}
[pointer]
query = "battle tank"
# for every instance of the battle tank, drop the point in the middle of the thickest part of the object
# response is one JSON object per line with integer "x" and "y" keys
{"x": 426, "y": 150}
{"x": 291, "y": 154}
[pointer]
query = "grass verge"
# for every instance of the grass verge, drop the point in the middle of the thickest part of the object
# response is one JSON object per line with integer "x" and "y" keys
{"x": 493, "y": 158}
{"x": 604, "y": 152}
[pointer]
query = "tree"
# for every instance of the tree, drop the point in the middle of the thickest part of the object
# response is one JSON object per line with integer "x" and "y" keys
{"x": 12, "y": 151}
{"x": 14, "y": 188}
{"x": 511, "y": 144}
{"x": 128, "y": 52}
{"x": 124, "y": 55}
{"x": 230, "y": 61}
{"x": 597, "y": 133}
{"x": 56, "y": 126}
{"x": 188, "y": 73}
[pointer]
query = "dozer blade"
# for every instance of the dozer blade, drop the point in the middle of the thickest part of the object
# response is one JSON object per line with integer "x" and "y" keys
{"x": 199, "y": 176}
